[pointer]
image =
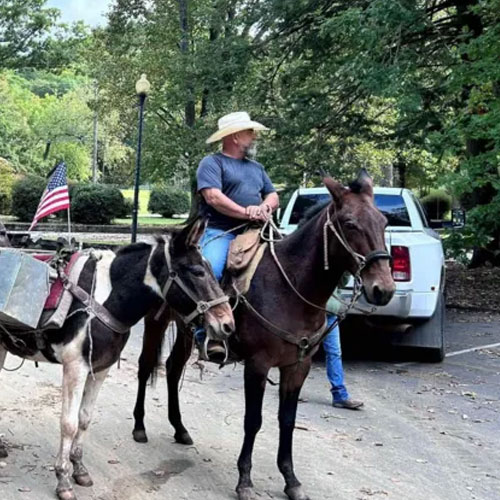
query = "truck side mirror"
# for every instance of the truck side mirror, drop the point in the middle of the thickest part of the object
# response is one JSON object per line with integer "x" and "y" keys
{"x": 437, "y": 223}
{"x": 458, "y": 218}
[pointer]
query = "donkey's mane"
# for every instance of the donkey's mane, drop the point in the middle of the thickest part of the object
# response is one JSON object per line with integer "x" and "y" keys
{"x": 134, "y": 247}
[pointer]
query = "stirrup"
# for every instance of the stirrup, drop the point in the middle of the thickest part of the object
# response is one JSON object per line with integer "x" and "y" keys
{"x": 203, "y": 351}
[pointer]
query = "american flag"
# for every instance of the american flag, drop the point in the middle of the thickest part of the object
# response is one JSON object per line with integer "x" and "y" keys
{"x": 55, "y": 197}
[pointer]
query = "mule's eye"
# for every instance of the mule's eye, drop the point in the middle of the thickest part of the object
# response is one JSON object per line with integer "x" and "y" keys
{"x": 198, "y": 271}
{"x": 352, "y": 226}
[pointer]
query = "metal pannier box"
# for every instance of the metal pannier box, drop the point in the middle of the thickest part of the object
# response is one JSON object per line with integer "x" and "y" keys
{"x": 24, "y": 288}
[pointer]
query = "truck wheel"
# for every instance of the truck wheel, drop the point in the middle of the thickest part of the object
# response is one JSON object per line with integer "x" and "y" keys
{"x": 431, "y": 332}
{"x": 425, "y": 339}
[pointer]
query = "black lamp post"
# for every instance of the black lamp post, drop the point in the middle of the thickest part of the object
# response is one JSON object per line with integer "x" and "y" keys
{"x": 142, "y": 88}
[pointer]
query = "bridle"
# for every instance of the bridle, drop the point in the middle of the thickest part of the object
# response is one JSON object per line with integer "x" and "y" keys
{"x": 362, "y": 261}
{"x": 201, "y": 306}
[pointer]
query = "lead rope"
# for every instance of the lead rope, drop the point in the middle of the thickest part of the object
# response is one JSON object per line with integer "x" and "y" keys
{"x": 217, "y": 236}
{"x": 89, "y": 326}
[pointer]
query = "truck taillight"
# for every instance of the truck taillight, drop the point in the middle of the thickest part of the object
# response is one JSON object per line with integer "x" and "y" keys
{"x": 401, "y": 269}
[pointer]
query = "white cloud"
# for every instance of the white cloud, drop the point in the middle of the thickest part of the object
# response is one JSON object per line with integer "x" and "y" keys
{"x": 90, "y": 11}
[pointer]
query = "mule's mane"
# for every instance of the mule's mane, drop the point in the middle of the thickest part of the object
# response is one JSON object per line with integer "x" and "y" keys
{"x": 355, "y": 187}
{"x": 311, "y": 212}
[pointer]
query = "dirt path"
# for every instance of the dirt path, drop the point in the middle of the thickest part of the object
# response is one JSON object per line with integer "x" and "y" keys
{"x": 429, "y": 432}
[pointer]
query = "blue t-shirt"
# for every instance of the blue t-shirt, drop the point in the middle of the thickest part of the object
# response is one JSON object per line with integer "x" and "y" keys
{"x": 243, "y": 181}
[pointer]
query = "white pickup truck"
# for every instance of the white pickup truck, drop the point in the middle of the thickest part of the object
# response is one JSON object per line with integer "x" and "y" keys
{"x": 415, "y": 316}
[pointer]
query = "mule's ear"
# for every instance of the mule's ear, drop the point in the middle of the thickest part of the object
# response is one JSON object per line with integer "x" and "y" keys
{"x": 189, "y": 236}
{"x": 365, "y": 182}
{"x": 336, "y": 190}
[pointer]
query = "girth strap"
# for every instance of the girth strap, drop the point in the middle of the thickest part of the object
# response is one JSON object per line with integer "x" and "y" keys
{"x": 100, "y": 312}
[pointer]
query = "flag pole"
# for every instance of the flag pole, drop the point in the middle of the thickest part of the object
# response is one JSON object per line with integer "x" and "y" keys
{"x": 69, "y": 226}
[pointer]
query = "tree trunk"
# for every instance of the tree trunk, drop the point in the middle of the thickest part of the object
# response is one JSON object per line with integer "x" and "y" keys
{"x": 401, "y": 173}
{"x": 189, "y": 107}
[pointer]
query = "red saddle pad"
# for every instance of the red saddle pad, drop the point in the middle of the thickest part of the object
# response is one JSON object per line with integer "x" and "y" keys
{"x": 57, "y": 287}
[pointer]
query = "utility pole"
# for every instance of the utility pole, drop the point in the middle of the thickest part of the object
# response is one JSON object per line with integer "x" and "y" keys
{"x": 96, "y": 125}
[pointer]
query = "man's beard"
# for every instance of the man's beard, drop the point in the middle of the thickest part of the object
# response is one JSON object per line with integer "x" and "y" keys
{"x": 251, "y": 151}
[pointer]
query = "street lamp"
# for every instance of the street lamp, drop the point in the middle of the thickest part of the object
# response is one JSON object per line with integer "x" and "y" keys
{"x": 142, "y": 88}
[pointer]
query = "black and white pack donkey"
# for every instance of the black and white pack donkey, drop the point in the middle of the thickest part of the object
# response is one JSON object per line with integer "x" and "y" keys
{"x": 130, "y": 284}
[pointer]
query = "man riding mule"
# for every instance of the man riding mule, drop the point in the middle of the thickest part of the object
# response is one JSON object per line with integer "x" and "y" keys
{"x": 235, "y": 190}
{"x": 281, "y": 319}
{"x": 112, "y": 294}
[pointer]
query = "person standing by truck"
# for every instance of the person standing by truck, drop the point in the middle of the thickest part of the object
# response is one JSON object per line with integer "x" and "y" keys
{"x": 334, "y": 368}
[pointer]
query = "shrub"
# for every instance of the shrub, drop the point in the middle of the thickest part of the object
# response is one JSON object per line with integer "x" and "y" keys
{"x": 7, "y": 179}
{"x": 96, "y": 203}
{"x": 168, "y": 201}
{"x": 436, "y": 204}
{"x": 128, "y": 208}
{"x": 26, "y": 194}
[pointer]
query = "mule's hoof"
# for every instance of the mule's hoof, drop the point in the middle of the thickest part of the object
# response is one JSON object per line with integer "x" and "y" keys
{"x": 245, "y": 493}
{"x": 140, "y": 436}
{"x": 296, "y": 493}
{"x": 66, "y": 494}
{"x": 83, "y": 480}
{"x": 183, "y": 438}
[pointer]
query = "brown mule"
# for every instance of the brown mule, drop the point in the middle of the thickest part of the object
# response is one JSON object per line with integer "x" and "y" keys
{"x": 280, "y": 321}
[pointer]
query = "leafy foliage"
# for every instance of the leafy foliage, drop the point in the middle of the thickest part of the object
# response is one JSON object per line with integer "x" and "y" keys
{"x": 26, "y": 195}
{"x": 167, "y": 201}
{"x": 7, "y": 179}
{"x": 436, "y": 204}
{"x": 410, "y": 90}
{"x": 97, "y": 204}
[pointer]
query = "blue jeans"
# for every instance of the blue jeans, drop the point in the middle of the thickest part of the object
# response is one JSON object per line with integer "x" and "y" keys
{"x": 216, "y": 253}
{"x": 334, "y": 370}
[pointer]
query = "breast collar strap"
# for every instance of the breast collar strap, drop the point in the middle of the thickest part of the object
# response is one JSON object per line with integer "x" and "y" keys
{"x": 201, "y": 307}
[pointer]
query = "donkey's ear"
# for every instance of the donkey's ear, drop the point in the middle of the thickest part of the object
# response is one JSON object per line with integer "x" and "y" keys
{"x": 336, "y": 190}
{"x": 196, "y": 230}
{"x": 190, "y": 235}
{"x": 365, "y": 182}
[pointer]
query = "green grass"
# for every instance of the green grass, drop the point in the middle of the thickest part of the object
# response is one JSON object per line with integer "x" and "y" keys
{"x": 144, "y": 195}
{"x": 148, "y": 221}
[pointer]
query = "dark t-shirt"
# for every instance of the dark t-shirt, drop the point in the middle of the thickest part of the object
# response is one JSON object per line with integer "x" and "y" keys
{"x": 243, "y": 181}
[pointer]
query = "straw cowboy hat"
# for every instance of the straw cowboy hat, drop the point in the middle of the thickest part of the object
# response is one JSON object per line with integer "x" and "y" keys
{"x": 232, "y": 123}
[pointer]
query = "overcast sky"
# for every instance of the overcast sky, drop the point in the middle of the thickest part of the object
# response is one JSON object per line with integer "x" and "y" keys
{"x": 90, "y": 11}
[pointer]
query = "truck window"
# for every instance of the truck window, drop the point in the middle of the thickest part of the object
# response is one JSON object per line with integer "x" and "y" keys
{"x": 304, "y": 202}
{"x": 394, "y": 208}
{"x": 420, "y": 210}
{"x": 391, "y": 205}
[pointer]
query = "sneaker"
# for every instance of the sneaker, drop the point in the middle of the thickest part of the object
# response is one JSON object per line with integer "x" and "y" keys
{"x": 348, "y": 404}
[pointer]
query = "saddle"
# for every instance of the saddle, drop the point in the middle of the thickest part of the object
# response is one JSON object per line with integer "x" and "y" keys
{"x": 245, "y": 254}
